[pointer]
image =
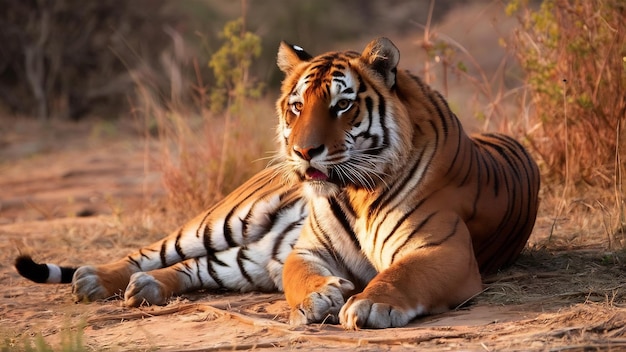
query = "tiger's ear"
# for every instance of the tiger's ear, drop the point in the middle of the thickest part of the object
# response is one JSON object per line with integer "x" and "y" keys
{"x": 382, "y": 56}
{"x": 290, "y": 55}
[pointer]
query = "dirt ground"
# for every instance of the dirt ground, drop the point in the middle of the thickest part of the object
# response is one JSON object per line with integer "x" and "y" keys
{"x": 97, "y": 197}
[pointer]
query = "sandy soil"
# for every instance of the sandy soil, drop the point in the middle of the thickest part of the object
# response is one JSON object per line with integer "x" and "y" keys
{"x": 96, "y": 198}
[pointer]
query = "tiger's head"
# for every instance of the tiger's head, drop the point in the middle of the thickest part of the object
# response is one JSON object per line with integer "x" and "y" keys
{"x": 341, "y": 123}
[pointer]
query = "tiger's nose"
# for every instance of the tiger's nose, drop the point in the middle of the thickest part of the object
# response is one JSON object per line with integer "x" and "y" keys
{"x": 308, "y": 153}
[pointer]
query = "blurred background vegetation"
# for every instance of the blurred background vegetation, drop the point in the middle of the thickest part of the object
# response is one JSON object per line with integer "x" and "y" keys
{"x": 66, "y": 58}
{"x": 201, "y": 75}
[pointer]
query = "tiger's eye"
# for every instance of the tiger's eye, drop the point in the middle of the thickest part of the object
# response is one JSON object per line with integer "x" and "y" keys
{"x": 297, "y": 106}
{"x": 343, "y": 104}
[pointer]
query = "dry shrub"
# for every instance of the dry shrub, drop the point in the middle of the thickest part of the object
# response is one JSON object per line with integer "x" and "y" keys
{"x": 207, "y": 147}
{"x": 572, "y": 53}
{"x": 204, "y": 155}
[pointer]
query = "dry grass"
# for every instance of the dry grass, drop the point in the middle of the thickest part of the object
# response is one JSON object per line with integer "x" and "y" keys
{"x": 572, "y": 54}
{"x": 575, "y": 129}
{"x": 204, "y": 155}
{"x": 567, "y": 290}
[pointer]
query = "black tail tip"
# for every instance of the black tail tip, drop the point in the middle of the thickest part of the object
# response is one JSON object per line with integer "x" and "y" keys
{"x": 27, "y": 267}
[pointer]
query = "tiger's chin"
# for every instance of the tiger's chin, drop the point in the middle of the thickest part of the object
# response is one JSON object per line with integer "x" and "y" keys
{"x": 324, "y": 189}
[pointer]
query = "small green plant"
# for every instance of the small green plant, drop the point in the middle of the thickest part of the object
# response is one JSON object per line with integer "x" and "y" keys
{"x": 231, "y": 67}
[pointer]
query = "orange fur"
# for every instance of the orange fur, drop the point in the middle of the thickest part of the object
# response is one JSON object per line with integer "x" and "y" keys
{"x": 469, "y": 194}
{"x": 403, "y": 210}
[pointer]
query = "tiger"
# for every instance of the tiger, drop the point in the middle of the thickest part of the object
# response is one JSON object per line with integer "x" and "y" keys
{"x": 379, "y": 209}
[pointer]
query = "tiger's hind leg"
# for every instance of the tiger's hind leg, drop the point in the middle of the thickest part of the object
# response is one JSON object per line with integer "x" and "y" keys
{"x": 194, "y": 239}
{"x": 262, "y": 210}
{"x": 247, "y": 268}
{"x": 92, "y": 283}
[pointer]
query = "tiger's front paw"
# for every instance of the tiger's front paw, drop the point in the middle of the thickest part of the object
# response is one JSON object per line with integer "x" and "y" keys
{"x": 362, "y": 312}
{"x": 143, "y": 288}
{"x": 87, "y": 286}
{"x": 323, "y": 304}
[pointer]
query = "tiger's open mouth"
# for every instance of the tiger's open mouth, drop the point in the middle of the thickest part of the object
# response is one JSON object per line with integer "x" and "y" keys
{"x": 313, "y": 174}
{"x": 316, "y": 176}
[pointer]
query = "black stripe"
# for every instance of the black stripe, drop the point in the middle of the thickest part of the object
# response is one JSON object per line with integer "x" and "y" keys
{"x": 198, "y": 275}
{"x": 369, "y": 106}
{"x": 362, "y": 86}
{"x": 411, "y": 174}
{"x": 438, "y": 243}
{"x": 398, "y": 224}
{"x": 502, "y": 151}
{"x": 245, "y": 222}
{"x": 143, "y": 255}
{"x": 207, "y": 240}
{"x": 485, "y": 162}
{"x": 442, "y": 117}
{"x": 345, "y": 201}
{"x": 527, "y": 165}
{"x": 212, "y": 257}
{"x": 419, "y": 82}
{"x": 523, "y": 166}
{"x": 493, "y": 166}
{"x": 343, "y": 220}
{"x": 179, "y": 249}
{"x": 356, "y": 115}
{"x": 288, "y": 228}
{"x": 468, "y": 168}
{"x": 458, "y": 146}
{"x": 340, "y": 82}
{"x": 163, "y": 254}
{"x": 280, "y": 238}
{"x": 383, "y": 200}
{"x": 241, "y": 256}
{"x": 479, "y": 184}
{"x": 228, "y": 231}
{"x": 450, "y": 235}
{"x": 213, "y": 274}
{"x": 134, "y": 262}
{"x": 206, "y": 215}
{"x": 183, "y": 271}
{"x": 426, "y": 167}
{"x": 208, "y": 246}
{"x": 382, "y": 111}
{"x": 415, "y": 231}
{"x": 322, "y": 237}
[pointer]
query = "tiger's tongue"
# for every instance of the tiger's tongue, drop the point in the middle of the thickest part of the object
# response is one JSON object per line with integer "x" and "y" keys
{"x": 315, "y": 175}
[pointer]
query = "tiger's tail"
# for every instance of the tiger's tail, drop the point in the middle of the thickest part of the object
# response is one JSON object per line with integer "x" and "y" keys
{"x": 43, "y": 273}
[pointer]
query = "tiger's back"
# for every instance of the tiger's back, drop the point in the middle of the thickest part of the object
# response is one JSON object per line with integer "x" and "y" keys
{"x": 489, "y": 179}
{"x": 516, "y": 175}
